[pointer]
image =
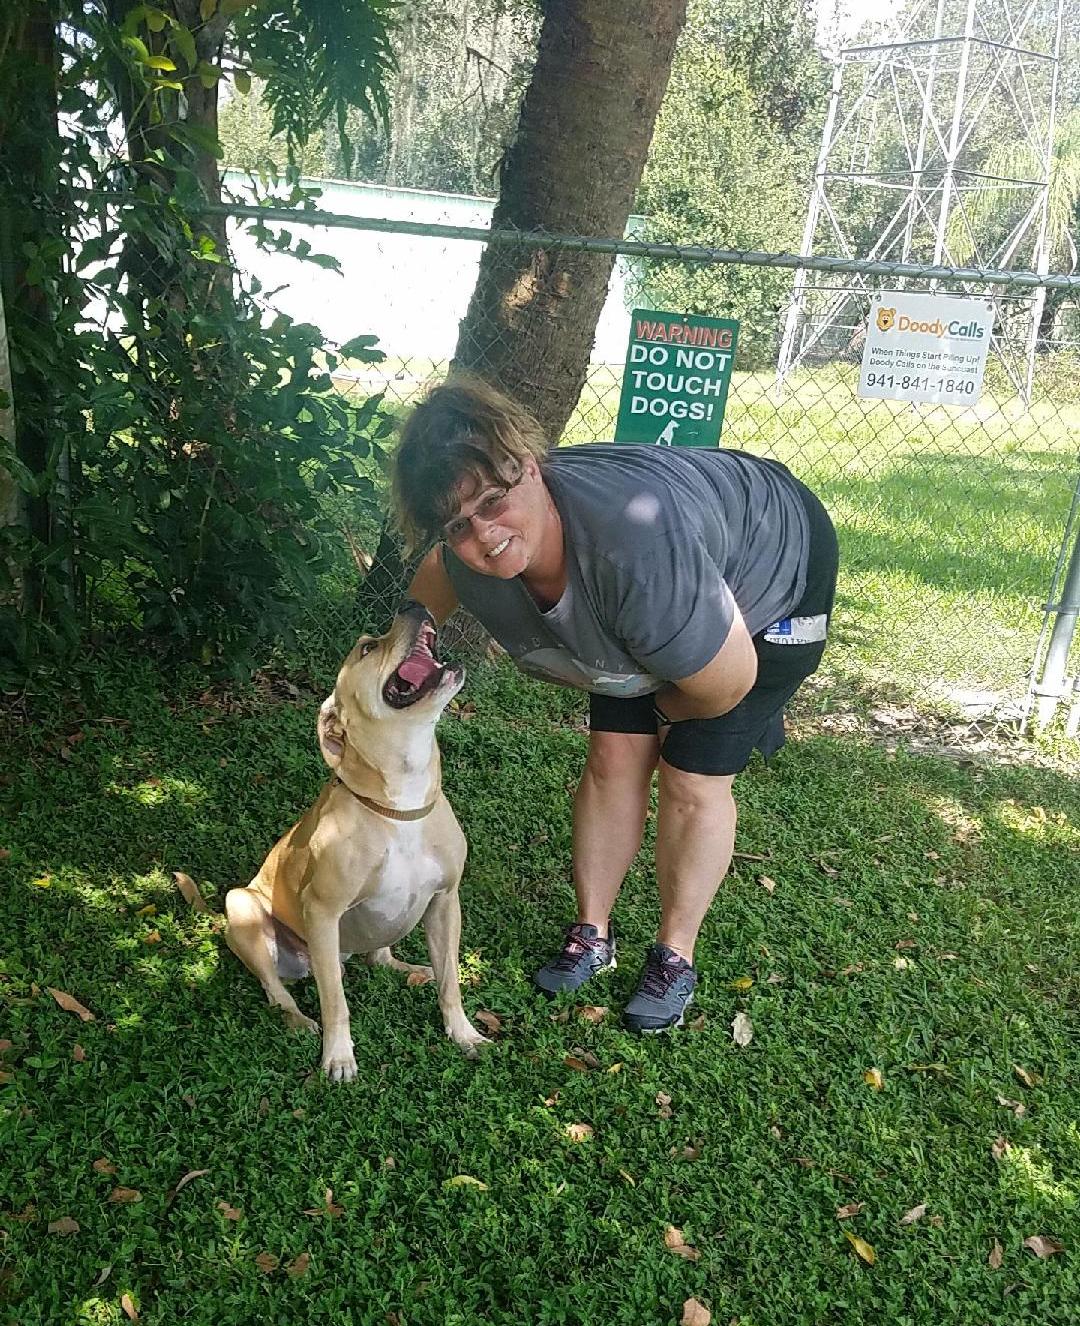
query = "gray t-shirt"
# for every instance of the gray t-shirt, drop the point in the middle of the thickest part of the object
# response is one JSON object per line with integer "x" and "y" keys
{"x": 660, "y": 542}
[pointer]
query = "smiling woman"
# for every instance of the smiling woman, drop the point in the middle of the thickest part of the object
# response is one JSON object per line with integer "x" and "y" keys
{"x": 687, "y": 590}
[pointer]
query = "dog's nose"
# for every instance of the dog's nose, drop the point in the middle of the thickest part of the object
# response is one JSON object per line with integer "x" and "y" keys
{"x": 413, "y": 608}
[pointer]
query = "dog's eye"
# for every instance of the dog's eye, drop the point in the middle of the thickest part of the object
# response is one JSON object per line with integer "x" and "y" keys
{"x": 367, "y": 647}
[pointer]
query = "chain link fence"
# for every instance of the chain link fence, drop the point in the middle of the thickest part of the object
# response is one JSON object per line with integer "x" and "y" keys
{"x": 955, "y": 523}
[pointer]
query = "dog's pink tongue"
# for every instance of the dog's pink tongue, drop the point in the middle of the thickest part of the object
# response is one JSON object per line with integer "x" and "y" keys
{"x": 417, "y": 668}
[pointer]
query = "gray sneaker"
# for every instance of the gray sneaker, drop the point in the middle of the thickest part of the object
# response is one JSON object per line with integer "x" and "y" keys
{"x": 664, "y": 992}
{"x": 584, "y": 952}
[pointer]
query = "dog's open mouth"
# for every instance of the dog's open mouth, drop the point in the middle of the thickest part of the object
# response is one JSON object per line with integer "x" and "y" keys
{"x": 418, "y": 673}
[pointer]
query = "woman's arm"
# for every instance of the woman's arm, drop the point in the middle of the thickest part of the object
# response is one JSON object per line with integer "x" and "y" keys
{"x": 719, "y": 685}
{"x": 431, "y": 586}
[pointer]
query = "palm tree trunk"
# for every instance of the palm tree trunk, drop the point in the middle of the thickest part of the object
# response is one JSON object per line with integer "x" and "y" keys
{"x": 584, "y": 132}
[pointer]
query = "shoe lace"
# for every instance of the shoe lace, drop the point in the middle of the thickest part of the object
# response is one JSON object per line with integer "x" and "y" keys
{"x": 659, "y": 976}
{"x": 574, "y": 947}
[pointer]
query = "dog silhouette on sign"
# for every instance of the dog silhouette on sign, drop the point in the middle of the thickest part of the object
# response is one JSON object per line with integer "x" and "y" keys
{"x": 886, "y": 319}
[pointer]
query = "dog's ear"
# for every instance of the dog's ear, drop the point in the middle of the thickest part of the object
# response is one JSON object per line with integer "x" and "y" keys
{"x": 331, "y": 733}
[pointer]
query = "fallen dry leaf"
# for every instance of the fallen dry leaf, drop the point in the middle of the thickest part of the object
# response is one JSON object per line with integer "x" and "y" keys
{"x": 103, "y": 1166}
{"x": 578, "y": 1065}
{"x": 1043, "y": 1246}
{"x": 298, "y": 1266}
{"x": 901, "y": 964}
{"x": 1029, "y": 1079}
{"x": 189, "y": 890}
{"x": 6, "y": 1045}
{"x": 329, "y": 1207}
{"x": 563, "y": 1015}
{"x": 65, "y": 1225}
{"x": 579, "y": 1132}
{"x": 491, "y": 1021}
{"x": 229, "y": 1212}
{"x": 267, "y": 1262}
{"x": 78, "y": 1053}
{"x": 872, "y": 1077}
{"x": 742, "y": 1029}
{"x": 828, "y": 870}
{"x": 693, "y": 1152}
{"x": 994, "y": 1260}
{"x": 152, "y": 937}
{"x": 769, "y": 885}
{"x": 593, "y": 1012}
{"x": 674, "y": 1242}
{"x": 629, "y": 1178}
{"x": 125, "y": 1196}
{"x": 70, "y": 1004}
{"x": 616, "y": 1068}
{"x": 698, "y": 1023}
{"x": 130, "y": 1310}
{"x": 103, "y": 1275}
{"x": 191, "y": 1174}
{"x": 916, "y": 1213}
{"x": 742, "y": 983}
{"x": 846, "y": 1212}
{"x": 695, "y": 1314}
{"x": 664, "y": 1102}
{"x": 389, "y": 1162}
{"x": 907, "y": 943}
{"x": 464, "y": 1181}
{"x": 1018, "y": 1107}
{"x": 149, "y": 910}
{"x": 862, "y": 1248}
{"x": 264, "y": 1107}
{"x": 418, "y": 978}
{"x": 999, "y": 1147}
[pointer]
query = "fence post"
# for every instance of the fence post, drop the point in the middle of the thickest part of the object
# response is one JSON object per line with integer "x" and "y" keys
{"x": 1050, "y": 691}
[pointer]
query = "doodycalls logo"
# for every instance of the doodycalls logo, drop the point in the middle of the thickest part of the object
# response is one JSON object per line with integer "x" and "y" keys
{"x": 886, "y": 319}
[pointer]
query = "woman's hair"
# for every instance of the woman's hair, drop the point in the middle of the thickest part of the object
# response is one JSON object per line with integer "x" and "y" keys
{"x": 462, "y": 429}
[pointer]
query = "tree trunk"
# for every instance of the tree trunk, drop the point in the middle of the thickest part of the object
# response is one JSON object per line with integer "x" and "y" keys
{"x": 1052, "y": 305}
{"x": 149, "y": 141}
{"x": 31, "y": 145}
{"x": 583, "y": 136}
{"x": 9, "y": 493}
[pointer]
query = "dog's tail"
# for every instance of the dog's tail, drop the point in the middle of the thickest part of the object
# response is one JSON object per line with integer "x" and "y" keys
{"x": 190, "y": 891}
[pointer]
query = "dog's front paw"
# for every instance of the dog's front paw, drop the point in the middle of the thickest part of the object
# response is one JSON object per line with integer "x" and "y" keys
{"x": 339, "y": 1062}
{"x": 298, "y": 1022}
{"x": 468, "y": 1040}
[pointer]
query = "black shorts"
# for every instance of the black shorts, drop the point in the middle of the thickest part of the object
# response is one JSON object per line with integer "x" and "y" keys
{"x": 724, "y": 745}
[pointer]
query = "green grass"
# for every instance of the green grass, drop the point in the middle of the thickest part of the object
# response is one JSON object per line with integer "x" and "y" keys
{"x": 186, "y": 1068}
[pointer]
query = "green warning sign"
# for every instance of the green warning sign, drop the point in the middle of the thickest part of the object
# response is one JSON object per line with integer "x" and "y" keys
{"x": 675, "y": 383}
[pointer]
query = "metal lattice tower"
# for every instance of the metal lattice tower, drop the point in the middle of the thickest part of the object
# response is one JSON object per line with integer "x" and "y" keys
{"x": 908, "y": 147}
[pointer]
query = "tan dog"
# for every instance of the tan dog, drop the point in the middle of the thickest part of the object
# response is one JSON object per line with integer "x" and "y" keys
{"x": 377, "y": 852}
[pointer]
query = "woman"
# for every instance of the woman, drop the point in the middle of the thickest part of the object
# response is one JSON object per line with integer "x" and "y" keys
{"x": 688, "y": 591}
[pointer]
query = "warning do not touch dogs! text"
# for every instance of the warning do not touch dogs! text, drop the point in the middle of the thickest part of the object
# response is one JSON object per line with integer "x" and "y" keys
{"x": 675, "y": 384}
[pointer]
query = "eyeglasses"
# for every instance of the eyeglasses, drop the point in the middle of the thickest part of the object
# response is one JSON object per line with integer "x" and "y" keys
{"x": 490, "y": 507}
